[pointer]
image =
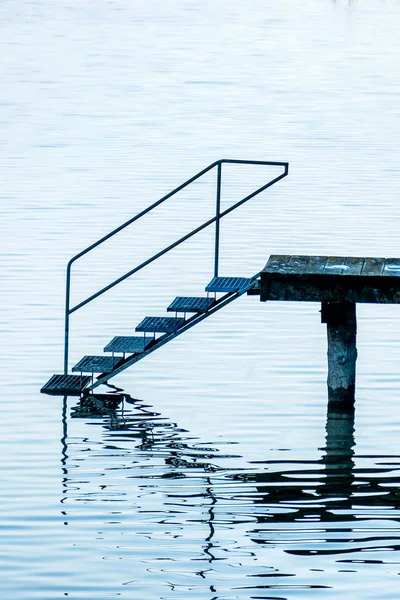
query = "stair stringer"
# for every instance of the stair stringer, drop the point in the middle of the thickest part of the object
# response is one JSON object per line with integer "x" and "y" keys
{"x": 129, "y": 361}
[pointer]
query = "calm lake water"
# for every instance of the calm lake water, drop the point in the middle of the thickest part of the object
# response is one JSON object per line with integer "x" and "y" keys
{"x": 222, "y": 477}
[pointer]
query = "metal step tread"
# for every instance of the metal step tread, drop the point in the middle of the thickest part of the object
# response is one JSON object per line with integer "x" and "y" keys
{"x": 190, "y": 304}
{"x": 128, "y": 344}
{"x": 95, "y": 364}
{"x": 160, "y": 324}
{"x": 66, "y": 385}
{"x": 228, "y": 284}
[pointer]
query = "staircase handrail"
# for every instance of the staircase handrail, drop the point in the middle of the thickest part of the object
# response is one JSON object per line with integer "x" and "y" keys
{"x": 215, "y": 219}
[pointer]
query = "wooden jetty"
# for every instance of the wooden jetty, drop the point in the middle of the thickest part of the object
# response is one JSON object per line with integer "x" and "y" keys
{"x": 338, "y": 283}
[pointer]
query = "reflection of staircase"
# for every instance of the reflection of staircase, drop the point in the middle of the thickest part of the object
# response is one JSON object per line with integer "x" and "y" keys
{"x": 127, "y": 350}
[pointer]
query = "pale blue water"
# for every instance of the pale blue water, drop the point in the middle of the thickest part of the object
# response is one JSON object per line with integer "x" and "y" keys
{"x": 222, "y": 480}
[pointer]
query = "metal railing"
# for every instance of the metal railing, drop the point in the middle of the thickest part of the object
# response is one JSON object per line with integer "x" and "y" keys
{"x": 216, "y": 219}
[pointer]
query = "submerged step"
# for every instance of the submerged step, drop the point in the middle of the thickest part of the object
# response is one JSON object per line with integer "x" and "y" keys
{"x": 128, "y": 344}
{"x": 97, "y": 404}
{"x": 95, "y": 364}
{"x": 194, "y": 305}
{"x": 228, "y": 284}
{"x": 160, "y": 324}
{"x": 66, "y": 385}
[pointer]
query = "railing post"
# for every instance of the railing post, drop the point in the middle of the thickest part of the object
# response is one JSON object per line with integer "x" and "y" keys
{"x": 217, "y": 219}
{"x": 66, "y": 326}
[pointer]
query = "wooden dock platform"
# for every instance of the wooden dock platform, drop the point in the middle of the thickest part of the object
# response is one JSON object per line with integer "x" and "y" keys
{"x": 338, "y": 283}
{"x": 331, "y": 279}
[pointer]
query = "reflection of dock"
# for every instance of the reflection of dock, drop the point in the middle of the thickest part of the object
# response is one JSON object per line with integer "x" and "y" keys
{"x": 314, "y": 502}
{"x": 311, "y": 489}
{"x": 143, "y": 428}
{"x": 331, "y": 489}
{"x": 138, "y": 428}
{"x": 333, "y": 504}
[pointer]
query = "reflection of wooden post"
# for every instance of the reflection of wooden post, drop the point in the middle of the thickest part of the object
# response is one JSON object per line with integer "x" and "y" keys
{"x": 339, "y": 438}
{"x": 341, "y": 325}
{"x": 338, "y": 458}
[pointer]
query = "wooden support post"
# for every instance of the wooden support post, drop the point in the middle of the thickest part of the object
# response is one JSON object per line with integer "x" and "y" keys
{"x": 341, "y": 325}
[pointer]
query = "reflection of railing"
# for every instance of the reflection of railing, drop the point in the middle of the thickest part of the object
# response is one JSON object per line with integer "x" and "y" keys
{"x": 215, "y": 219}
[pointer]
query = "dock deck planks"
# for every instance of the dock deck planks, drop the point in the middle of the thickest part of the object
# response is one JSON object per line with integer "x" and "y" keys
{"x": 331, "y": 279}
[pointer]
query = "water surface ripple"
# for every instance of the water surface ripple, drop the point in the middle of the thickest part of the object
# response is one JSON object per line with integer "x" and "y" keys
{"x": 221, "y": 477}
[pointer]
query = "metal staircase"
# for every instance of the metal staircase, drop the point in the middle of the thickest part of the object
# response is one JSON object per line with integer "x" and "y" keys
{"x": 124, "y": 351}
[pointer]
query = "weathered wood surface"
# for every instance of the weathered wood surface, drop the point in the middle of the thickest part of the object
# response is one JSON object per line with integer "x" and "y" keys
{"x": 341, "y": 327}
{"x": 331, "y": 279}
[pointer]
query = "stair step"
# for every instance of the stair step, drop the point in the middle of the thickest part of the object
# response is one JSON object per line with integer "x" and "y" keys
{"x": 192, "y": 305}
{"x": 228, "y": 284}
{"x": 66, "y": 385}
{"x": 160, "y": 324}
{"x": 128, "y": 344}
{"x": 95, "y": 364}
